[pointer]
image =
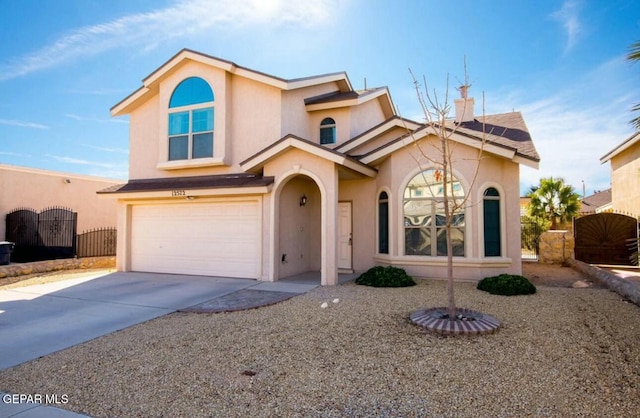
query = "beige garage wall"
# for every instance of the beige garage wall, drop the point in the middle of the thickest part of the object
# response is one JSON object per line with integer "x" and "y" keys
{"x": 22, "y": 187}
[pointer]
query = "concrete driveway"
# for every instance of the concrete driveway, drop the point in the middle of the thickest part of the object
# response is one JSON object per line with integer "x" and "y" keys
{"x": 41, "y": 319}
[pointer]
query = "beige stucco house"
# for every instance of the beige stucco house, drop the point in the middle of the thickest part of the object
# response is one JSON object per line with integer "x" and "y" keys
{"x": 23, "y": 187}
{"x": 237, "y": 173}
{"x": 625, "y": 175}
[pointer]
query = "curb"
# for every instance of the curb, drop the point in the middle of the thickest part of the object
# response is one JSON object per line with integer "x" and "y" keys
{"x": 625, "y": 288}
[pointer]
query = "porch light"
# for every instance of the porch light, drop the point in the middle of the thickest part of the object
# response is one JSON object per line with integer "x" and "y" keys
{"x": 303, "y": 200}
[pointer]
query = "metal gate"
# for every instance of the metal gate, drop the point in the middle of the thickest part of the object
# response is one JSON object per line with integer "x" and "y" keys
{"x": 48, "y": 235}
{"x": 530, "y": 238}
{"x": 602, "y": 238}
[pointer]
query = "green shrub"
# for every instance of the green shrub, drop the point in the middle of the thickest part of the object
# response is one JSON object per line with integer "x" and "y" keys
{"x": 385, "y": 277}
{"x": 507, "y": 285}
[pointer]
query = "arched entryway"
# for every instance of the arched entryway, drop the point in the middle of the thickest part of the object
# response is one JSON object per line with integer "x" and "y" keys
{"x": 299, "y": 214}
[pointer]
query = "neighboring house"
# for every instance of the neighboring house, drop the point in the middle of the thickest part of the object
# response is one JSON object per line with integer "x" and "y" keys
{"x": 598, "y": 202}
{"x": 238, "y": 173}
{"x": 36, "y": 189}
{"x": 625, "y": 175}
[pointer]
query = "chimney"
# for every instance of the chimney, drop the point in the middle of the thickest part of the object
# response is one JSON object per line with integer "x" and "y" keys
{"x": 464, "y": 106}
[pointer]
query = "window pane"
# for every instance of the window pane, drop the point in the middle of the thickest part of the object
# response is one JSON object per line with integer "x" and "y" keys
{"x": 328, "y": 135}
{"x": 179, "y": 123}
{"x": 328, "y": 121}
{"x": 203, "y": 120}
{"x": 178, "y": 148}
{"x": 457, "y": 241}
{"x": 202, "y": 145}
{"x": 417, "y": 241}
{"x": 383, "y": 227}
{"x": 192, "y": 90}
{"x": 491, "y": 228}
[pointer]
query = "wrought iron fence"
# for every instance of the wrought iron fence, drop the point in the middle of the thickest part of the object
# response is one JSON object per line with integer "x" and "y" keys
{"x": 47, "y": 235}
{"x": 530, "y": 238}
{"x": 99, "y": 242}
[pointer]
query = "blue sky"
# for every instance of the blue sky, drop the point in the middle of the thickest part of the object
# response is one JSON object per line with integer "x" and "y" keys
{"x": 64, "y": 64}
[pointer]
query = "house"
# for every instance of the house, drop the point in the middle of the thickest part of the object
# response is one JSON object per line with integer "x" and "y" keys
{"x": 237, "y": 173}
{"x": 23, "y": 187}
{"x": 598, "y": 202}
{"x": 625, "y": 175}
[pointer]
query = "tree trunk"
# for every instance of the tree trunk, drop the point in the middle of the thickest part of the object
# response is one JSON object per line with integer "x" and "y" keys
{"x": 446, "y": 178}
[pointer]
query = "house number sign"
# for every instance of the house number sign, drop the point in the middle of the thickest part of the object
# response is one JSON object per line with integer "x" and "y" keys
{"x": 178, "y": 193}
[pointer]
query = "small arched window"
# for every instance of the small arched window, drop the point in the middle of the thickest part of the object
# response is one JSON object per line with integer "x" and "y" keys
{"x": 491, "y": 210}
{"x": 191, "y": 120}
{"x": 383, "y": 223}
{"x": 327, "y": 131}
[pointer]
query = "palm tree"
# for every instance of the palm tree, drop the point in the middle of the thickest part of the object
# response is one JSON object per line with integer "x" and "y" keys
{"x": 554, "y": 201}
{"x": 634, "y": 55}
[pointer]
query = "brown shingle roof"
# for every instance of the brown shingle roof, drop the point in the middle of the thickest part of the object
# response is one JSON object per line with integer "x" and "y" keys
{"x": 504, "y": 129}
{"x": 596, "y": 200}
{"x": 190, "y": 183}
{"x": 340, "y": 96}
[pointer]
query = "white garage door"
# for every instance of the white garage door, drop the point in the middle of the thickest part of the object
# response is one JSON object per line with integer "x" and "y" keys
{"x": 215, "y": 239}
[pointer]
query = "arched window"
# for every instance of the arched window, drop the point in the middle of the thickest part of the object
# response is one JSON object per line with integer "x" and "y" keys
{"x": 328, "y": 131}
{"x": 424, "y": 216}
{"x": 383, "y": 223}
{"x": 491, "y": 210}
{"x": 191, "y": 120}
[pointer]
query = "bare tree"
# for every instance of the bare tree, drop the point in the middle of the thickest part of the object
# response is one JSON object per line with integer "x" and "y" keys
{"x": 442, "y": 156}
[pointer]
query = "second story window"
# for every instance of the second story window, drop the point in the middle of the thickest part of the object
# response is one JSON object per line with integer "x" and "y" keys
{"x": 191, "y": 120}
{"x": 328, "y": 131}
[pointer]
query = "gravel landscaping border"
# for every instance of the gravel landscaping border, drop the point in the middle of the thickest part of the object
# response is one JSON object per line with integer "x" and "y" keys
{"x": 561, "y": 352}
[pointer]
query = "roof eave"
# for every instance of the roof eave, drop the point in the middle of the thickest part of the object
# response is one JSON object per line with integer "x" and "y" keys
{"x": 148, "y": 83}
{"x": 627, "y": 143}
{"x": 256, "y": 162}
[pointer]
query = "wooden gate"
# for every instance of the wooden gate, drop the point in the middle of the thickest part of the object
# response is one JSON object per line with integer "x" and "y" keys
{"x": 602, "y": 238}
{"x": 48, "y": 235}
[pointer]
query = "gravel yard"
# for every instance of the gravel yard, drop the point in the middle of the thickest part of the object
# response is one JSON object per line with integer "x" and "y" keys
{"x": 561, "y": 352}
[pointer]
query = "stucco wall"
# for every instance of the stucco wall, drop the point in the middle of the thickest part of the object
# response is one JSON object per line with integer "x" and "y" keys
{"x": 39, "y": 189}
{"x": 299, "y": 227}
{"x": 625, "y": 181}
{"x": 494, "y": 172}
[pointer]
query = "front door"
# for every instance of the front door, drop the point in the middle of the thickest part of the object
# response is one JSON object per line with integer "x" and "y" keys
{"x": 345, "y": 236}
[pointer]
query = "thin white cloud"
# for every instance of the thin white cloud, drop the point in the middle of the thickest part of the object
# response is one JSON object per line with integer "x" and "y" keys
{"x": 13, "y": 154}
{"x": 93, "y": 119}
{"x": 107, "y": 149}
{"x": 572, "y": 131}
{"x": 185, "y": 18}
{"x": 23, "y": 124}
{"x": 568, "y": 16}
{"x": 78, "y": 161}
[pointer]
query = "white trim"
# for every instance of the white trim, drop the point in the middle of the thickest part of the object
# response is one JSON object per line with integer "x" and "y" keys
{"x": 411, "y": 139}
{"x": 418, "y": 260}
{"x": 149, "y": 83}
{"x": 191, "y": 163}
{"x": 346, "y": 103}
{"x": 374, "y": 133}
{"x": 626, "y": 144}
{"x": 193, "y": 193}
{"x": 292, "y": 142}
